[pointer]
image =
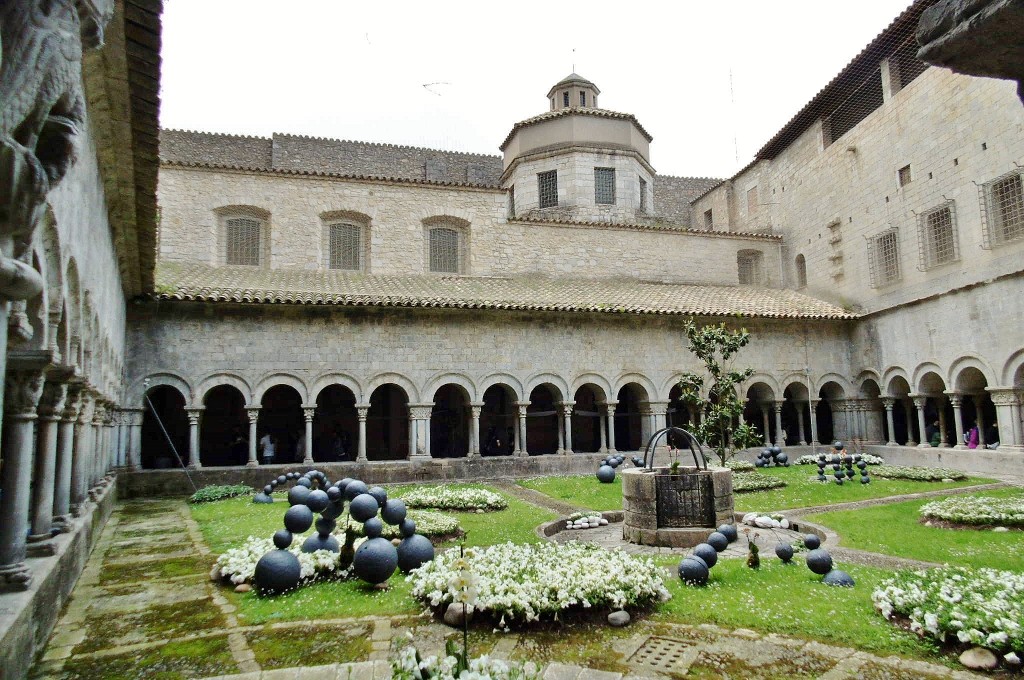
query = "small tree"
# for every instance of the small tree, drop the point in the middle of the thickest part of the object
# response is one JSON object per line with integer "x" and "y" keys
{"x": 720, "y": 426}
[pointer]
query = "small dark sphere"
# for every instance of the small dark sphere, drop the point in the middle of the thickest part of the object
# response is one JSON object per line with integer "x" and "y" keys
{"x": 865, "y": 479}
{"x": 857, "y": 456}
{"x": 850, "y": 473}
{"x": 698, "y": 558}
{"x": 273, "y": 483}
{"x": 693, "y": 572}
{"x": 839, "y": 446}
{"x": 354, "y": 488}
{"x": 321, "y": 542}
{"x": 811, "y": 541}
{"x": 298, "y": 495}
{"x": 784, "y": 551}
{"x": 638, "y": 461}
{"x": 729, "y": 531}
{"x": 838, "y": 577}
{"x": 334, "y": 494}
{"x": 363, "y": 507}
{"x": 380, "y": 494}
{"x": 314, "y": 473}
{"x": 394, "y": 511}
{"x": 839, "y": 480}
{"x": 861, "y": 464}
{"x": 821, "y": 477}
{"x": 614, "y": 463}
{"x": 268, "y": 489}
{"x": 787, "y": 464}
{"x": 718, "y": 541}
{"x": 292, "y": 475}
{"x": 606, "y": 474}
{"x": 342, "y": 483}
{"x": 332, "y": 511}
{"x": 304, "y": 481}
{"x": 413, "y": 552}
{"x": 282, "y": 479}
{"x": 373, "y": 527}
{"x": 375, "y": 560}
{"x": 819, "y": 561}
{"x": 839, "y": 473}
{"x": 317, "y": 500}
{"x": 407, "y": 527}
{"x": 706, "y": 553}
{"x": 782, "y": 458}
{"x": 276, "y": 572}
{"x": 324, "y": 525}
{"x": 298, "y": 519}
{"x": 759, "y": 463}
{"x": 283, "y": 538}
{"x": 776, "y": 450}
{"x": 262, "y": 498}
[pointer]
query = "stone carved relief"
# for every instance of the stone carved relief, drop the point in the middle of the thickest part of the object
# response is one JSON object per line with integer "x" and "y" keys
{"x": 52, "y": 402}
{"x": 24, "y": 387}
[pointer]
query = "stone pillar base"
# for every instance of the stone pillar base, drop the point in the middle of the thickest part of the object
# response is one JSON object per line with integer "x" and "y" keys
{"x": 252, "y": 463}
{"x": 43, "y": 546}
{"x": 307, "y": 461}
{"x": 62, "y": 523}
{"x": 15, "y": 577}
{"x": 924, "y": 445}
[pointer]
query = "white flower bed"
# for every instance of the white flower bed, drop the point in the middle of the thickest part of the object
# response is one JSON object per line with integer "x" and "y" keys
{"x": 866, "y": 457}
{"x": 407, "y": 664}
{"x": 978, "y": 510}
{"x": 975, "y": 606}
{"x": 427, "y": 523}
{"x": 748, "y": 482}
{"x": 528, "y": 582}
{"x": 918, "y": 474}
{"x": 239, "y": 564}
{"x": 589, "y": 519}
{"x": 740, "y": 465}
{"x": 453, "y": 498}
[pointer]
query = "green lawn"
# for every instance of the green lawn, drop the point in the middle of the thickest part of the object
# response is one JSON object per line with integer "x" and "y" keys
{"x": 895, "y": 530}
{"x": 583, "y": 491}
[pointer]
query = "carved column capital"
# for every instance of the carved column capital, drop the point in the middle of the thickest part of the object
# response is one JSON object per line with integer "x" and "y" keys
{"x": 72, "y": 403}
{"x": 566, "y": 407}
{"x": 955, "y": 398}
{"x": 888, "y": 403}
{"x": 99, "y": 411}
{"x": 88, "y": 405}
{"x": 308, "y": 413}
{"x": 193, "y": 413}
{"x": 51, "y": 404}
{"x": 521, "y": 407}
{"x": 362, "y": 410}
{"x": 254, "y": 414}
{"x": 1002, "y": 396}
{"x": 23, "y": 390}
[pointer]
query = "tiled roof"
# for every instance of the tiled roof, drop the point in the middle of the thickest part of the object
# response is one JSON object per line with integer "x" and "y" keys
{"x": 647, "y": 226}
{"x": 575, "y": 111}
{"x": 202, "y": 282}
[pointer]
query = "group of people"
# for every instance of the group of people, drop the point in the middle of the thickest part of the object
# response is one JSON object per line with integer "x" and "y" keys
{"x": 275, "y": 447}
{"x": 972, "y": 437}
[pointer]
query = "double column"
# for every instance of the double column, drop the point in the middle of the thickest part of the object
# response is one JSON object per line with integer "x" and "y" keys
{"x": 194, "y": 413}
{"x": 475, "y": 409}
{"x": 956, "y": 401}
{"x": 361, "y": 412}
{"x": 1008, "y": 416}
{"x": 520, "y": 431}
{"x": 609, "y": 422}
{"x": 920, "y": 402}
{"x": 50, "y": 410}
{"x": 564, "y": 415}
{"x": 419, "y": 430}
{"x": 65, "y": 456}
{"x": 308, "y": 412}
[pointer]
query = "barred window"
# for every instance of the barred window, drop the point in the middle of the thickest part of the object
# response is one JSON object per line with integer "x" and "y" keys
{"x": 512, "y": 202}
{"x": 547, "y": 189}
{"x": 565, "y": 99}
{"x": 345, "y": 247}
{"x": 749, "y": 266}
{"x": 444, "y": 250}
{"x": 904, "y": 175}
{"x": 243, "y": 240}
{"x": 1003, "y": 202}
{"x": 801, "y": 271}
{"x": 884, "y": 258}
{"x": 604, "y": 186}
{"x": 643, "y": 195}
{"x": 937, "y": 236}
{"x": 709, "y": 219}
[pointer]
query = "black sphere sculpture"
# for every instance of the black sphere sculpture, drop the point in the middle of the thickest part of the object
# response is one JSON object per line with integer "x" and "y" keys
{"x": 718, "y": 541}
{"x": 838, "y": 577}
{"x": 393, "y": 512}
{"x": 375, "y": 560}
{"x": 321, "y": 542}
{"x": 317, "y": 500}
{"x": 355, "y": 488}
{"x": 298, "y": 519}
{"x": 706, "y": 553}
{"x": 298, "y": 495}
{"x": 606, "y": 474}
{"x": 407, "y": 527}
{"x": 693, "y": 571}
{"x": 811, "y": 541}
{"x": 784, "y": 551}
{"x": 373, "y": 527}
{"x": 282, "y": 538}
{"x": 819, "y": 561}
{"x": 413, "y": 552}
{"x": 276, "y": 572}
{"x": 379, "y": 494}
{"x": 729, "y": 531}
{"x": 363, "y": 507}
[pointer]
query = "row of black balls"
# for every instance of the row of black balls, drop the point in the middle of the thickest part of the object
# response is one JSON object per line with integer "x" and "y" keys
{"x": 772, "y": 455}
{"x": 606, "y": 471}
{"x": 695, "y": 568}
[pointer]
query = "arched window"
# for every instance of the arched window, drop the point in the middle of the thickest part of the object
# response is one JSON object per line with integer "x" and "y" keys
{"x": 801, "y": 271}
{"x": 446, "y": 242}
{"x": 750, "y": 266}
{"x": 345, "y": 246}
{"x": 243, "y": 236}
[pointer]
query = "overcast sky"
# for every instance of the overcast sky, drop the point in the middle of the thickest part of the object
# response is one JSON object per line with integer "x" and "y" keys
{"x": 711, "y": 81}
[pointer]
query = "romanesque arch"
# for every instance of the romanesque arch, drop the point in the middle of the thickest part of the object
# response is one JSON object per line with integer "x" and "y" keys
{"x": 387, "y": 422}
{"x": 450, "y": 421}
{"x": 281, "y": 417}
{"x": 214, "y": 380}
{"x": 453, "y": 378}
{"x": 508, "y": 380}
{"x": 223, "y": 427}
{"x": 136, "y": 395}
{"x": 588, "y": 417}
{"x": 336, "y": 419}
{"x": 629, "y": 419}
{"x": 759, "y": 409}
{"x": 408, "y": 386}
{"x": 543, "y": 421}
{"x": 165, "y": 429}
{"x": 276, "y": 379}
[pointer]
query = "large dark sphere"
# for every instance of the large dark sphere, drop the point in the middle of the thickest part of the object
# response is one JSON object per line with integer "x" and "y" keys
{"x": 262, "y": 498}
{"x": 298, "y": 495}
{"x": 393, "y": 512}
{"x": 839, "y": 446}
{"x": 375, "y": 560}
{"x": 332, "y": 511}
{"x": 268, "y": 489}
{"x": 811, "y": 541}
{"x": 819, "y": 561}
{"x": 718, "y": 541}
{"x": 413, "y": 552}
{"x": 782, "y": 458}
{"x": 276, "y": 572}
{"x": 838, "y": 577}
{"x": 865, "y": 479}
{"x": 693, "y": 572}
{"x": 373, "y": 527}
{"x": 291, "y": 475}
{"x": 638, "y": 461}
{"x": 321, "y": 542}
{"x": 363, "y": 507}
{"x": 606, "y": 474}
{"x": 706, "y": 553}
{"x": 407, "y": 527}
{"x": 861, "y": 465}
{"x": 354, "y": 488}
{"x": 317, "y": 500}
{"x": 729, "y": 531}
{"x": 758, "y": 463}
{"x": 776, "y": 450}
{"x": 282, "y": 479}
{"x": 334, "y": 494}
{"x": 380, "y": 494}
{"x": 325, "y": 526}
{"x": 342, "y": 484}
{"x": 304, "y": 481}
{"x": 298, "y": 519}
{"x": 282, "y": 538}
{"x": 784, "y": 551}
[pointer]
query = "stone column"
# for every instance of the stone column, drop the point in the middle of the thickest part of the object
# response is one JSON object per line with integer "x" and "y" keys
{"x": 911, "y": 435}
{"x": 134, "y": 417}
{"x": 920, "y": 401}
{"x": 956, "y": 400}
{"x": 51, "y": 406}
{"x": 609, "y": 413}
{"x": 83, "y": 452}
{"x": 99, "y": 414}
{"x": 193, "y": 413}
{"x": 849, "y": 417}
{"x": 521, "y": 449}
{"x": 516, "y": 450}
{"x": 561, "y": 430}
{"x": 65, "y": 457}
{"x": 800, "y": 421}
{"x": 780, "y": 437}
{"x": 646, "y": 421}
{"x": 567, "y": 407}
{"x": 124, "y": 431}
{"x": 1004, "y": 400}
{"x": 23, "y": 390}
{"x": 419, "y": 418}
{"x": 767, "y": 424}
{"x": 308, "y": 411}
{"x": 943, "y": 431}
{"x": 361, "y": 412}
{"x": 110, "y": 434}
{"x": 982, "y": 425}
{"x": 475, "y": 409}
{"x": 888, "y": 403}
{"x": 603, "y": 423}
{"x": 254, "y": 415}
{"x": 813, "y": 404}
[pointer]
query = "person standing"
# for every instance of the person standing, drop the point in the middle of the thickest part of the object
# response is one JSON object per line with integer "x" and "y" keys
{"x": 268, "y": 444}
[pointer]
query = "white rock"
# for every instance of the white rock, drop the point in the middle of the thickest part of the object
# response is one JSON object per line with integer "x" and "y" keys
{"x": 979, "y": 659}
{"x": 1012, "y": 659}
{"x": 604, "y": 522}
{"x": 619, "y": 619}
{"x": 776, "y": 524}
{"x": 763, "y": 522}
{"x": 947, "y": 480}
{"x": 749, "y": 517}
{"x": 1000, "y": 530}
{"x": 784, "y": 523}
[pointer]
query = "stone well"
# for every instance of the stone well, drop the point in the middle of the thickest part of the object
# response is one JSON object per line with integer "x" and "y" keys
{"x": 676, "y": 511}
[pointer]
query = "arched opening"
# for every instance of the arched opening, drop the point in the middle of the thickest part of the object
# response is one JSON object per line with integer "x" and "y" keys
{"x": 169, "y": 406}
{"x": 938, "y": 413}
{"x": 224, "y": 428}
{"x": 335, "y": 425}
{"x": 628, "y": 421}
{"x": 387, "y": 424}
{"x": 977, "y": 409}
{"x": 874, "y": 416}
{"x": 758, "y": 411}
{"x": 899, "y": 390}
{"x": 829, "y": 417}
{"x": 542, "y": 421}
{"x": 678, "y": 413}
{"x": 449, "y": 423}
{"x": 282, "y": 421}
{"x": 497, "y": 421}
{"x": 586, "y": 419}
{"x": 801, "y": 271}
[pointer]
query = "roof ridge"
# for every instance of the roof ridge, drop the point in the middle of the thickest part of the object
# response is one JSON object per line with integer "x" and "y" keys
{"x": 702, "y": 177}
{"x": 386, "y": 144}
{"x": 641, "y": 225}
{"x": 214, "y": 134}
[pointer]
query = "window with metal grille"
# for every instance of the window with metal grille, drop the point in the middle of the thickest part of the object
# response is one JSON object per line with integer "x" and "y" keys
{"x": 937, "y": 236}
{"x": 748, "y": 264}
{"x": 547, "y": 189}
{"x": 346, "y": 246}
{"x": 643, "y": 195}
{"x": 904, "y": 175}
{"x": 243, "y": 240}
{"x": 709, "y": 219}
{"x": 853, "y": 109}
{"x": 904, "y": 66}
{"x": 884, "y": 258}
{"x": 801, "y": 271}
{"x": 1003, "y": 203}
{"x": 444, "y": 250}
{"x": 604, "y": 186}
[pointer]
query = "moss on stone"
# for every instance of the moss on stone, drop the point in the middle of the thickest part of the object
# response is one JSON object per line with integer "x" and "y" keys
{"x": 587, "y": 645}
{"x": 153, "y": 569}
{"x": 309, "y": 645}
{"x": 155, "y": 622}
{"x": 188, "y": 659}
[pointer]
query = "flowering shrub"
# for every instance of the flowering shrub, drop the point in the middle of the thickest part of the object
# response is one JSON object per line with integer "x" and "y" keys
{"x": 976, "y": 606}
{"x": 528, "y": 582}
{"x": 218, "y": 492}
{"x": 239, "y": 564}
{"x": 427, "y": 523}
{"x": 453, "y": 498}
{"x": 866, "y": 457}
{"x": 978, "y": 510}
{"x": 748, "y": 482}
{"x": 740, "y": 465}
{"x": 917, "y": 474}
{"x": 407, "y": 664}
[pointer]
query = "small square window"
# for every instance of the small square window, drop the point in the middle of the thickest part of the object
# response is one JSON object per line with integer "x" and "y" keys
{"x": 604, "y": 186}
{"x": 547, "y": 189}
{"x": 904, "y": 175}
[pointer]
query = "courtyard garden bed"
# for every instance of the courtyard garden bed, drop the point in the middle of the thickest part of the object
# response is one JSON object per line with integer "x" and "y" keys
{"x": 977, "y": 511}
{"x": 452, "y": 497}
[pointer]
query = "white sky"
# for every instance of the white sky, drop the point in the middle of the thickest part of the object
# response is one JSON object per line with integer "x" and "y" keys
{"x": 352, "y": 70}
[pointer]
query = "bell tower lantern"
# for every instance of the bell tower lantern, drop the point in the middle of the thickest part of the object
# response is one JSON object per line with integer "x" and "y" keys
{"x": 573, "y": 91}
